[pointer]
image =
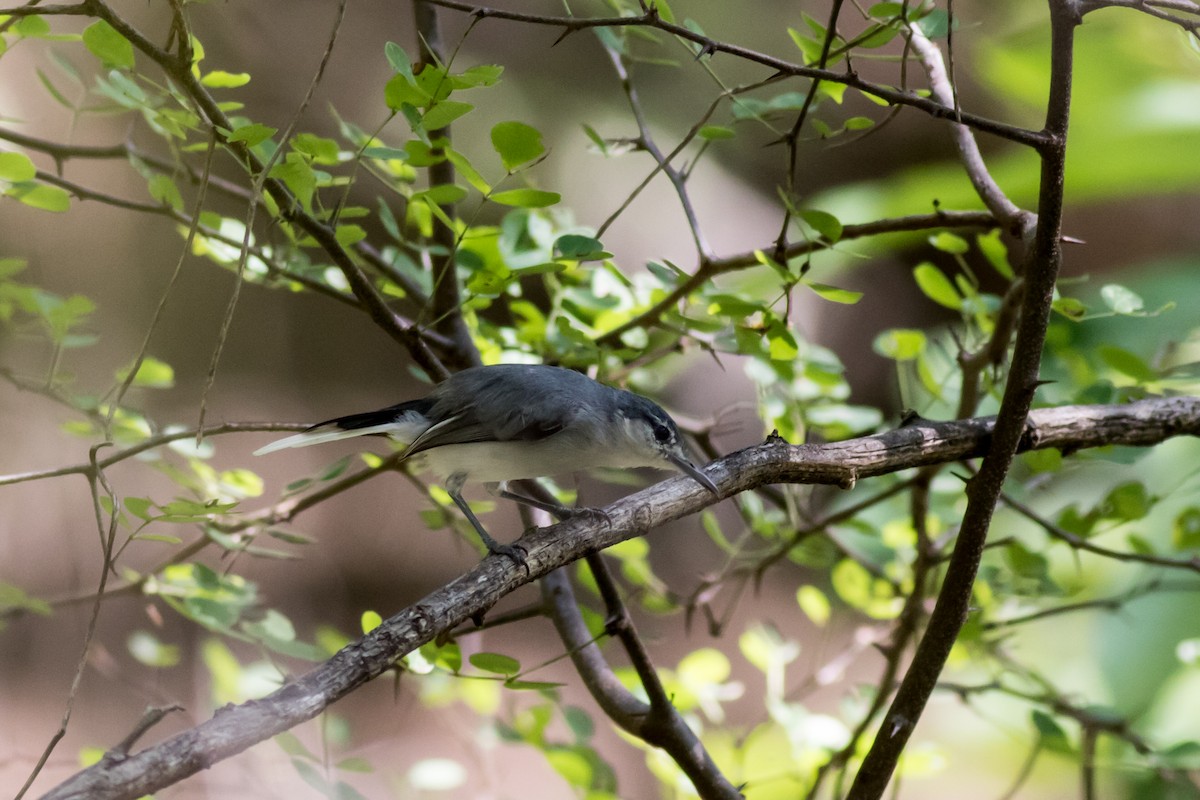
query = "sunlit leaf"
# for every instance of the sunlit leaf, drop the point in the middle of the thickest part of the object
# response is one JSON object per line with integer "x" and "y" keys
{"x": 15, "y": 167}
{"x": 106, "y": 44}
{"x": 526, "y": 198}
{"x": 220, "y": 79}
{"x": 934, "y": 284}
{"x": 517, "y": 143}
{"x": 495, "y": 662}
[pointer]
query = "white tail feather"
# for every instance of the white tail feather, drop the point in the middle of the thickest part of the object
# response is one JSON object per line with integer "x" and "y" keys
{"x": 322, "y": 435}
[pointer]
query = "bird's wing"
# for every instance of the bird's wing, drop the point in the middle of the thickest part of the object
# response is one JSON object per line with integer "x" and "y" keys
{"x": 534, "y": 412}
{"x": 466, "y": 427}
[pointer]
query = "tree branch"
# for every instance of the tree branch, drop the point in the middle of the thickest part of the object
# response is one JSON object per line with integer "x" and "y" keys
{"x": 651, "y": 19}
{"x": 983, "y": 491}
{"x": 718, "y": 266}
{"x": 289, "y": 207}
{"x": 447, "y": 299}
{"x": 234, "y": 728}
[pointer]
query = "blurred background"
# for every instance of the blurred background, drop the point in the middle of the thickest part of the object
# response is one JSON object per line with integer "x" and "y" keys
{"x": 1132, "y": 198}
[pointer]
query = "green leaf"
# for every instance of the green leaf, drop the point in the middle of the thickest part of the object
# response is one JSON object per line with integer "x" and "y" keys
{"x": 252, "y": 134}
{"x": 950, "y": 243}
{"x": 355, "y": 764}
{"x": 859, "y": 123}
{"x": 399, "y": 61}
{"x": 1185, "y": 533}
{"x": 814, "y": 604}
{"x": 824, "y": 223}
{"x": 1121, "y": 300}
{"x": 714, "y": 132}
{"x": 782, "y": 344}
{"x": 40, "y": 195}
{"x": 386, "y": 153}
{"x": 763, "y": 647}
{"x": 164, "y": 190}
{"x": 347, "y": 235}
{"x": 834, "y": 294}
{"x": 318, "y": 148}
{"x": 220, "y": 79}
{"x": 1050, "y": 732}
{"x": 151, "y": 374}
{"x": 996, "y": 253}
{"x": 443, "y": 195}
{"x": 495, "y": 662}
{"x": 240, "y": 482}
{"x": 139, "y": 507}
{"x": 402, "y": 91}
{"x": 468, "y": 171}
{"x": 443, "y": 113}
{"x": 32, "y": 27}
{"x": 479, "y": 75}
{"x": 526, "y": 198}
{"x": 13, "y": 597}
{"x": 146, "y": 648}
{"x": 900, "y": 344}
{"x": 1127, "y": 502}
{"x": 370, "y": 621}
{"x": 107, "y": 45}
{"x": 1126, "y": 363}
{"x": 298, "y": 175}
{"x": 935, "y": 24}
{"x": 936, "y": 286}
{"x": 518, "y": 144}
{"x": 809, "y": 47}
{"x": 1070, "y": 308}
{"x": 16, "y": 167}
{"x": 580, "y": 248}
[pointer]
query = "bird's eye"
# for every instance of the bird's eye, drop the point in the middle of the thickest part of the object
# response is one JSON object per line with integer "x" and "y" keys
{"x": 662, "y": 434}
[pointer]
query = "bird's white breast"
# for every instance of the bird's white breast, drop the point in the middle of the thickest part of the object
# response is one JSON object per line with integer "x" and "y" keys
{"x": 490, "y": 462}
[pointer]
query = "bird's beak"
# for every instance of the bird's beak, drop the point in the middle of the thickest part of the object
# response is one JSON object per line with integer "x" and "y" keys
{"x": 693, "y": 472}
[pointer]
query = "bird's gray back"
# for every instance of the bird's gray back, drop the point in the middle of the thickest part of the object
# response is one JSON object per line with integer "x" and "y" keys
{"x": 510, "y": 402}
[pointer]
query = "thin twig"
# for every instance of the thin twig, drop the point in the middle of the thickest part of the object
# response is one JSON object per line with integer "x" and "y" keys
{"x": 718, "y": 266}
{"x": 651, "y": 19}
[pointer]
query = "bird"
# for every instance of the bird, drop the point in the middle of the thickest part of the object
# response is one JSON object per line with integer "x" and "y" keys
{"x": 497, "y": 423}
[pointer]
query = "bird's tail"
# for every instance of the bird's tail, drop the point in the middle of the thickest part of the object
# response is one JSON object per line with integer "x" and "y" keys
{"x": 403, "y": 422}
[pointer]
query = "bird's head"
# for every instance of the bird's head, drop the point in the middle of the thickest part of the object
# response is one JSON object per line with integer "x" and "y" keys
{"x": 654, "y": 436}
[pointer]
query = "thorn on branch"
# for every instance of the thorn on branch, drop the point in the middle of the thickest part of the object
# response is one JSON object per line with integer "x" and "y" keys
{"x": 567, "y": 31}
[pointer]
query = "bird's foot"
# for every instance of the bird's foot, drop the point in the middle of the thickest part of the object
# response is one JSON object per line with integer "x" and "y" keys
{"x": 514, "y": 552}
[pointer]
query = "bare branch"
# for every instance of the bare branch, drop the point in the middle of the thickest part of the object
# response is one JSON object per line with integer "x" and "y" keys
{"x": 651, "y": 19}
{"x": 289, "y": 207}
{"x": 710, "y": 269}
{"x": 983, "y": 491}
{"x": 1020, "y": 222}
{"x": 447, "y": 295}
{"x": 1154, "y": 8}
{"x": 647, "y": 143}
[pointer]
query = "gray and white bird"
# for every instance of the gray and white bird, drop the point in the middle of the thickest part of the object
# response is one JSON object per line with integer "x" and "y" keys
{"x": 506, "y": 422}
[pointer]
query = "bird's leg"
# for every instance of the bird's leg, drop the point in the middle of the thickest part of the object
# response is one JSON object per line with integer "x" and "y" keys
{"x": 562, "y": 512}
{"x": 454, "y": 488}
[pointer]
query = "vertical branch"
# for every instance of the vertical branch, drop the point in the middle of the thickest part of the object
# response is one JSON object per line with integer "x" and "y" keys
{"x": 657, "y": 723}
{"x": 983, "y": 490}
{"x": 447, "y": 300}
{"x": 793, "y": 137}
